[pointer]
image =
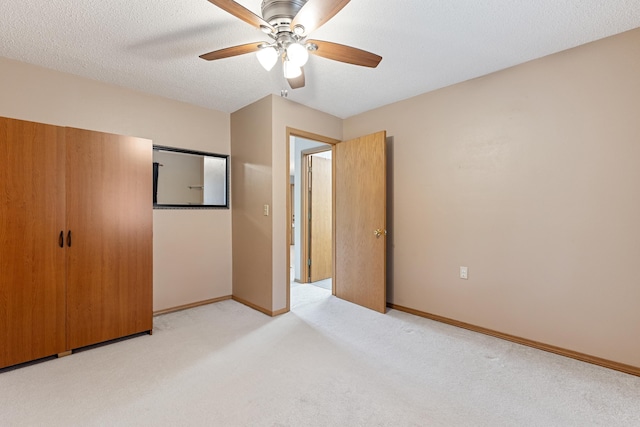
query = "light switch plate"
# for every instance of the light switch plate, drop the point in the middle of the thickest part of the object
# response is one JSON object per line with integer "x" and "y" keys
{"x": 266, "y": 210}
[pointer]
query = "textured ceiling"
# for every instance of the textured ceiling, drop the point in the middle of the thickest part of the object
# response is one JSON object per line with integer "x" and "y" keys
{"x": 153, "y": 46}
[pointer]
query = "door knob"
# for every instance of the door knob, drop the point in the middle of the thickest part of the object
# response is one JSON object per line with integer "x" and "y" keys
{"x": 379, "y": 232}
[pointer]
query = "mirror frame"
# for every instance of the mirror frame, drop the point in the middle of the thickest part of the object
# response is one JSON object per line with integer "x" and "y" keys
{"x": 197, "y": 153}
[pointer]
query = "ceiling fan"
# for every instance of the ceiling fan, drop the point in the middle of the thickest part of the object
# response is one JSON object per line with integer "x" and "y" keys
{"x": 288, "y": 23}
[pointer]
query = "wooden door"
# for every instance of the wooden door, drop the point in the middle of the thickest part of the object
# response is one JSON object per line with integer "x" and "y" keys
{"x": 360, "y": 221}
{"x": 320, "y": 227}
{"x": 32, "y": 262}
{"x": 291, "y": 215}
{"x": 109, "y": 216}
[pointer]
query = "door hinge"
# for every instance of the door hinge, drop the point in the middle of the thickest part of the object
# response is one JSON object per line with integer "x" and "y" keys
{"x": 309, "y": 262}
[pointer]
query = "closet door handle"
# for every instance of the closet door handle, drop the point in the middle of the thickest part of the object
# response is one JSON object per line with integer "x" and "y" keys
{"x": 69, "y": 238}
{"x": 61, "y": 239}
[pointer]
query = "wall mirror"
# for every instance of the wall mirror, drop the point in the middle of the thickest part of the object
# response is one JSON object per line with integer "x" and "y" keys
{"x": 189, "y": 179}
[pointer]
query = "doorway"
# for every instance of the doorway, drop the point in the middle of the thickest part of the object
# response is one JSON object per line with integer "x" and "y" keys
{"x": 310, "y": 211}
{"x": 359, "y": 232}
{"x": 316, "y": 214}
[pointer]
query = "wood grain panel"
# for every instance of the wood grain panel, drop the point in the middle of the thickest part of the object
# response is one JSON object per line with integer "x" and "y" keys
{"x": 32, "y": 265}
{"x": 360, "y": 209}
{"x": 109, "y": 214}
{"x": 321, "y": 219}
{"x": 241, "y": 12}
{"x": 232, "y": 51}
{"x": 315, "y": 13}
{"x": 347, "y": 54}
{"x": 290, "y": 214}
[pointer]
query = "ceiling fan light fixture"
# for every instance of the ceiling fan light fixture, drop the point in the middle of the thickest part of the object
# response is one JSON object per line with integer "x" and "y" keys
{"x": 297, "y": 54}
{"x": 267, "y": 56}
{"x": 291, "y": 70}
{"x": 287, "y": 23}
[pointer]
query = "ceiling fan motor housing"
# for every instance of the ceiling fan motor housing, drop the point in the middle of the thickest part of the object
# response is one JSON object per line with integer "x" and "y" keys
{"x": 277, "y": 11}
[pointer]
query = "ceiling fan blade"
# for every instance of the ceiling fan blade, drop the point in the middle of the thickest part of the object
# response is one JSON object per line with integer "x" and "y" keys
{"x": 297, "y": 82}
{"x": 316, "y": 12}
{"x": 242, "y": 13}
{"x": 342, "y": 53}
{"x": 232, "y": 51}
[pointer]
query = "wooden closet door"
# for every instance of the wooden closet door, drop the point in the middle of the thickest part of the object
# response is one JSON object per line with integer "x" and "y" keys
{"x": 109, "y": 216}
{"x": 32, "y": 264}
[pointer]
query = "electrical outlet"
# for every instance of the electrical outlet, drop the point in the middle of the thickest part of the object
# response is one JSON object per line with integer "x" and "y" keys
{"x": 464, "y": 273}
{"x": 265, "y": 210}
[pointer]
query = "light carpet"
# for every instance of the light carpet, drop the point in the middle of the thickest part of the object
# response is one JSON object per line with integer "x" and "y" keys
{"x": 324, "y": 284}
{"x": 326, "y": 363}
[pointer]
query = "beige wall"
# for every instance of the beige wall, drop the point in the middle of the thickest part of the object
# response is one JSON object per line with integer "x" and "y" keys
{"x": 288, "y": 114}
{"x": 251, "y": 175}
{"x": 527, "y": 176}
{"x": 260, "y": 175}
{"x": 191, "y": 248}
{"x": 530, "y": 178}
